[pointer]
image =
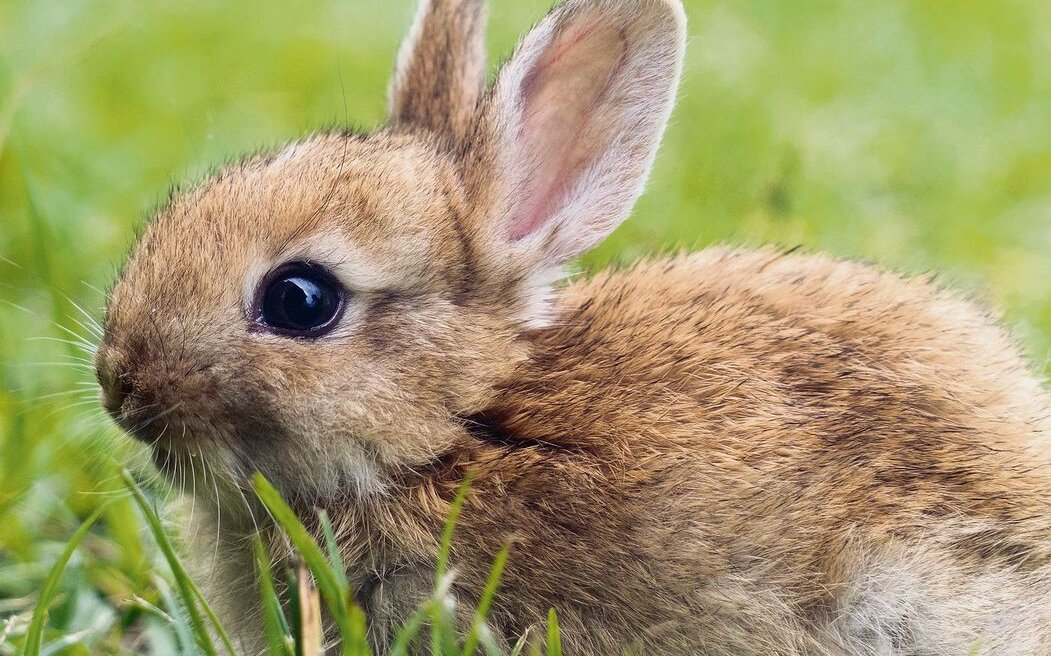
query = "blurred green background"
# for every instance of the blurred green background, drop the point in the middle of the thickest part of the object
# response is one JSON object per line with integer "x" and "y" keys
{"x": 913, "y": 133}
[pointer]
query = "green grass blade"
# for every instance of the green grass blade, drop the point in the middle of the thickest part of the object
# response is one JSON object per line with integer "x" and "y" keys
{"x": 333, "y": 551}
{"x": 35, "y": 632}
{"x": 440, "y": 632}
{"x": 294, "y": 612}
{"x": 274, "y": 625}
{"x": 520, "y": 645}
{"x": 443, "y": 630}
{"x": 334, "y": 592}
{"x": 408, "y": 632}
{"x": 355, "y": 643}
{"x": 486, "y": 601}
{"x": 305, "y": 544}
{"x": 447, "y": 533}
{"x": 554, "y": 640}
{"x": 189, "y": 591}
{"x": 183, "y": 632}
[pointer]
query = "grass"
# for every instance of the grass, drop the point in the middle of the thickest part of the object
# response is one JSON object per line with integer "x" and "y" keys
{"x": 910, "y": 133}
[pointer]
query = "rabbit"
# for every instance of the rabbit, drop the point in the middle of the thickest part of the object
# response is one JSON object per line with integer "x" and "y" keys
{"x": 729, "y": 451}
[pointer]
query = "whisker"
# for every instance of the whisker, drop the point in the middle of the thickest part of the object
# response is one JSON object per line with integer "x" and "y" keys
{"x": 95, "y": 327}
{"x": 218, "y": 512}
{"x": 72, "y": 365}
{"x": 70, "y": 406}
{"x": 171, "y": 470}
{"x": 248, "y": 506}
{"x": 105, "y": 493}
{"x": 193, "y": 493}
{"x": 49, "y": 338}
{"x": 94, "y": 289}
{"x": 90, "y": 329}
{"x": 75, "y": 360}
{"x": 79, "y": 340}
{"x": 55, "y": 395}
{"x": 160, "y": 435}
{"x": 142, "y": 423}
{"x": 7, "y": 260}
{"x": 159, "y": 415}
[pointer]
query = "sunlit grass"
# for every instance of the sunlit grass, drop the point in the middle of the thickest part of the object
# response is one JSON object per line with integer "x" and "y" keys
{"x": 915, "y": 134}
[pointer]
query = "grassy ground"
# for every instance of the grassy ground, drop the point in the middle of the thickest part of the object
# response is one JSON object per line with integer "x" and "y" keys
{"x": 916, "y": 134}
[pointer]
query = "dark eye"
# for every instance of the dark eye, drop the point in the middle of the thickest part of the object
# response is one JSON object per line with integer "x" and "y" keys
{"x": 300, "y": 300}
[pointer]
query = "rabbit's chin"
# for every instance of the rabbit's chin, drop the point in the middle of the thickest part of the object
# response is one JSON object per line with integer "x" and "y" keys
{"x": 215, "y": 457}
{"x": 202, "y": 481}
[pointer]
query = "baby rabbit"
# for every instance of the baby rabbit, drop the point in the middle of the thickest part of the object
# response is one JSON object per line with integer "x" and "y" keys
{"x": 725, "y": 452}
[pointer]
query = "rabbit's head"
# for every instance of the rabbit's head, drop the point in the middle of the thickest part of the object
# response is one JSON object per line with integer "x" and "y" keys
{"x": 327, "y": 314}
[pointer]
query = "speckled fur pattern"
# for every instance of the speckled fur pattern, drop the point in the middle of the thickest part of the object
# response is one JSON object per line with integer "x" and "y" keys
{"x": 723, "y": 452}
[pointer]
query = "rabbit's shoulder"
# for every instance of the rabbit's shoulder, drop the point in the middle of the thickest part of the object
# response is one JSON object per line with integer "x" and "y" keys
{"x": 767, "y": 351}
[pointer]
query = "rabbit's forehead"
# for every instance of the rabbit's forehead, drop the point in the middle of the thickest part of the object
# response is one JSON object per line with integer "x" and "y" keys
{"x": 376, "y": 212}
{"x": 379, "y": 194}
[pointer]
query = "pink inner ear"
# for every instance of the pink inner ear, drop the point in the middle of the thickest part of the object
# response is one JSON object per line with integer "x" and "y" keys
{"x": 563, "y": 129}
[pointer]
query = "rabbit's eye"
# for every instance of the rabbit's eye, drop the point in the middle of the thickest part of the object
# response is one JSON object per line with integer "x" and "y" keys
{"x": 300, "y": 300}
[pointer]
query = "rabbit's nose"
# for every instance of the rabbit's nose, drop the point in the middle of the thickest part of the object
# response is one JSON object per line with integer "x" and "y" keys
{"x": 114, "y": 381}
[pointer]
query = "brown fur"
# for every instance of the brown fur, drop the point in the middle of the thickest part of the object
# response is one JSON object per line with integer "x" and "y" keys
{"x": 726, "y": 452}
{"x": 442, "y": 69}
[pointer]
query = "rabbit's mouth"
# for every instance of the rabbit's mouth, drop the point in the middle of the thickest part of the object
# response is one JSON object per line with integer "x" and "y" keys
{"x": 145, "y": 423}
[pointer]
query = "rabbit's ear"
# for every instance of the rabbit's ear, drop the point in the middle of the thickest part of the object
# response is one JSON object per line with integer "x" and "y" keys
{"x": 567, "y": 136}
{"x": 440, "y": 70}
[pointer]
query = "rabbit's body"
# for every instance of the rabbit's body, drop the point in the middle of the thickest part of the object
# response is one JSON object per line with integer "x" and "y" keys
{"x": 729, "y": 452}
{"x": 745, "y": 452}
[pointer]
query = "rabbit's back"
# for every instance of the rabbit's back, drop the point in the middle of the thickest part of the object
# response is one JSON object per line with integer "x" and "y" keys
{"x": 805, "y": 454}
